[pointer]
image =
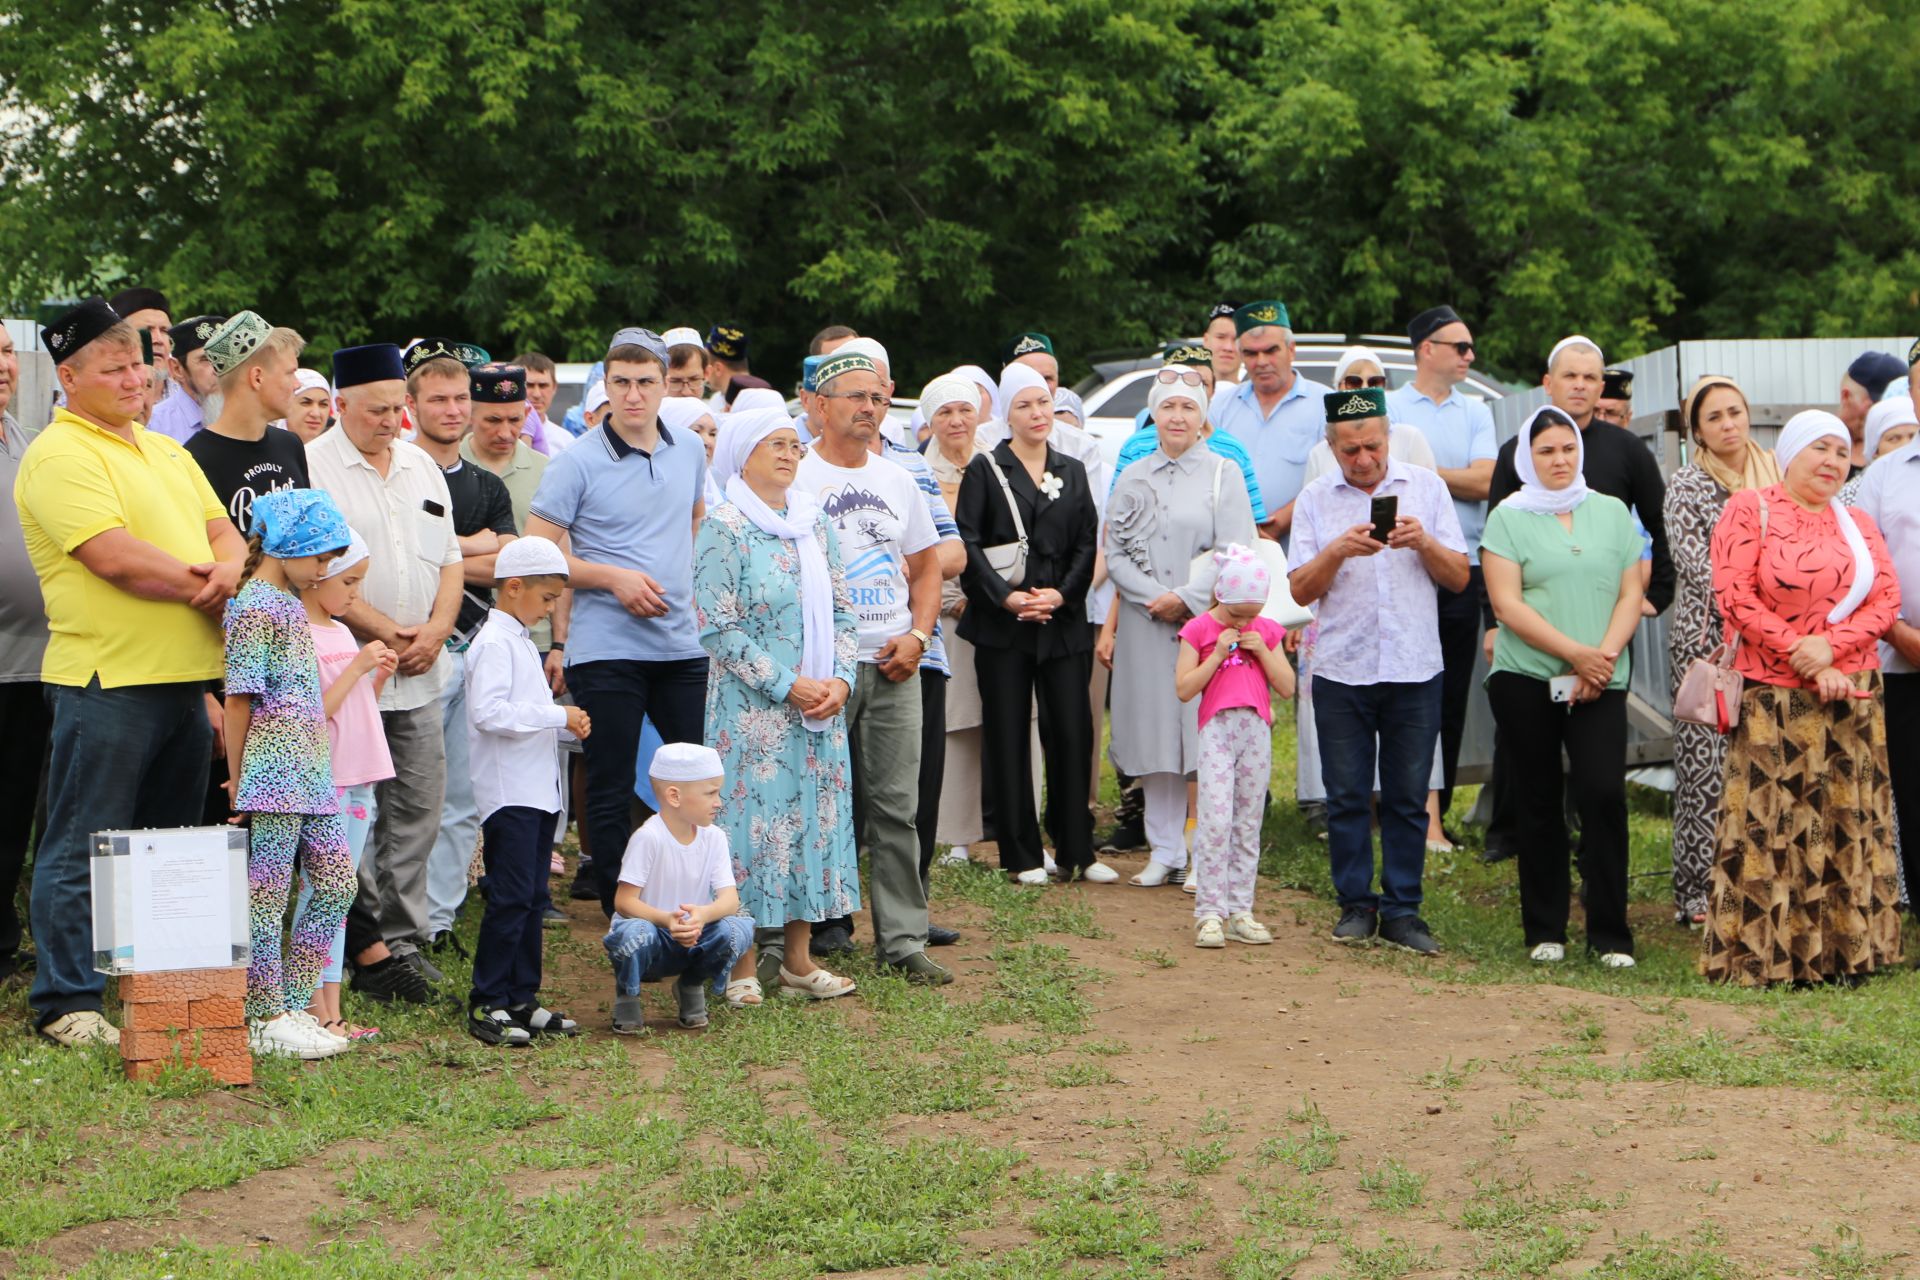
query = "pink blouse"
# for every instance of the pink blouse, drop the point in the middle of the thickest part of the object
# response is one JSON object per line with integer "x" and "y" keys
{"x": 1775, "y": 593}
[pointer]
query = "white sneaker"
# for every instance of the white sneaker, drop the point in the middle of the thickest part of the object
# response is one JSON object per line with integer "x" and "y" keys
{"x": 1047, "y": 864}
{"x": 1099, "y": 873}
{"x": 957, "y": 856}
{"x": 283, "y": 1037}
{"x": 84, "y": 1027}
{"x": 1209, "y": 934}
{"x": 311, "y": 1023}
{"x": 1617, "y": 960}
{"x": 1242, "y": 927}
{"x": 1548, "y": 953}
{"x": 1033, "y": 876}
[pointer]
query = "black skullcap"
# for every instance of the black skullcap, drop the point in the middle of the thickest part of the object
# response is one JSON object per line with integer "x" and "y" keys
{"x": 1873, "y": 370}
{"x": 499, "y": 384}
{"x": 192, "y": 333}
{"x": 1616, "y": 384}
{"x": 1430, "y": 322}
{"x": 728, "y": 341}
{"x": 376, "y": 362}
{"x": 76, "y": 328}
{"x": 1221, "y": 309}
{"x": 128, "y": 301}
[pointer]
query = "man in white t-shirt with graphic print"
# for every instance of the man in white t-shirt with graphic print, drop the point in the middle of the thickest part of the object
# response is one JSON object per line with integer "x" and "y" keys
{"x": 887, "y": 544}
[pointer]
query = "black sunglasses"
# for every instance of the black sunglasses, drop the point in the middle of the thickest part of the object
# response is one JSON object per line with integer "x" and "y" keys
{"x": 1463, "y": 348}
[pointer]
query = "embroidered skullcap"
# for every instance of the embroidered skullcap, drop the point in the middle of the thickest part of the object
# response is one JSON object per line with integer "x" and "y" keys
{"x": 530, "y": 557}
{"x": 842, "y": 361}
{"x": 299, "y": 522}
{"x": 467, "y": 353}
{"x": 685, "y": 762}
{"x": 1258, "y": 315}
{"x": 193, "y": 333}
{"x": 1025, "y": 344}
{"x": 236, "y": 341}
{"x": 1616, "y": 384}
{"x": 77, "y": 327}
{"x": 1186, "y": 353}
{"x": 728, "y": 341}
{"x": 1355, "y": 406}
{"x": 1220, "y": 310}
{"x": 499, "y": 384}
{"x": 1243, "y": 577}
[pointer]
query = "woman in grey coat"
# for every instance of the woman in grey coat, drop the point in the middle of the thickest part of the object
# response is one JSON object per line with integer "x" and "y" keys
{"x": 1167, "y": 508}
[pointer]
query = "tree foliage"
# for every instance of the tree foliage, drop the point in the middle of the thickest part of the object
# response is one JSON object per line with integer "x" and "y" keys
{"x": 944, "y": 172}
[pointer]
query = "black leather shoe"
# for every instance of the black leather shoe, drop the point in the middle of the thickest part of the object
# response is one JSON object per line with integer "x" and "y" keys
{"x": 1357, "y": 925}
{"x": 939, "y": 937}
{"x": 1126, "y": 838}
{"x": 1497, "y": 853}
{"x": 555, "y": 918}
{"x": 830, "y": 942}
{"x": 584, "y": 890}
{"x": 1409, "y": 933}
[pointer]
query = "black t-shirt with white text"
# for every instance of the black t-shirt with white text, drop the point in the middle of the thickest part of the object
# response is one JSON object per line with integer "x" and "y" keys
{"x": 242, "y": 470}
{"x": 480, "y": 501}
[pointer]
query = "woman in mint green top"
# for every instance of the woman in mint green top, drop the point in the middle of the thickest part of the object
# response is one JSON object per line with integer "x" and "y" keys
{"x": 1562, "y": 567}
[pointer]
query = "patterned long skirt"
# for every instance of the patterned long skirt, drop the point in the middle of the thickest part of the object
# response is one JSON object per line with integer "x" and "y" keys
{"x": 1700, "y": 774}
{"x": 1804, "y": 886}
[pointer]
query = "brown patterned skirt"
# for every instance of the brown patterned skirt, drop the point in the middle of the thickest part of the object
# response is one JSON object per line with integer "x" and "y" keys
{"x": 1804, "y": 882}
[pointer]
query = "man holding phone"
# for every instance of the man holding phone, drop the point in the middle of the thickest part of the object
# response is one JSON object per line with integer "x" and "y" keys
{"x": 1370, "y": 544}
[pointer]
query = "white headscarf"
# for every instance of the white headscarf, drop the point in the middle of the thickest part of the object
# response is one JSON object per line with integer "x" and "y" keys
{"x": 980, "y": 378}
{"x": 948, "y": 388}
{"x": 1803, "y": 429}
{"x": 756, "y": 398}
{"x": 1160, "y": 392}
{"x": 1534, "y": 496}
{"x": 1884, "y": 417}
{"x": 309, "y": 380}
{"x": 740, "y": 434}
{"x": 681, "y": 412}
{"x": 1352, "y": 356}
{"x": 1014, "y": 379}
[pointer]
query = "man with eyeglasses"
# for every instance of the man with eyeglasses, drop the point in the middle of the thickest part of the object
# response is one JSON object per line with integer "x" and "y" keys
{"x": 1275, "y": 413}
{"x": 624, "y": 505}
{"x": 1616, "y": 398}
{"x": 890, "y": 551}
{"x": 1459, "y": 430}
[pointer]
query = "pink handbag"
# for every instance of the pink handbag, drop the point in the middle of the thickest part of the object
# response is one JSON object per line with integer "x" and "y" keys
{"x": 1709, "y": 693}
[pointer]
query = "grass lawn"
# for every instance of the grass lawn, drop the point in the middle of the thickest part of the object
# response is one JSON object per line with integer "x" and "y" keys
{"x": 1065, "y": 1109}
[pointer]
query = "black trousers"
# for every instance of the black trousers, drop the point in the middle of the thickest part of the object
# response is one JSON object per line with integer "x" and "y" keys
{"x": 1011, "y": 680}
{"x": 933, "y": 764}
{"x": 23, "y": 789}
{"x": 1460, "y": 640}
{"x": 1594, "y": 736}
{"x": 618, "y": 695}
{"x": 1902, "y": 698}
{"x": 517, "y": 842}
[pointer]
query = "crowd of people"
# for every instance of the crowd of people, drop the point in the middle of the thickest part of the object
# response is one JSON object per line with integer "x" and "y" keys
{"x": 409, "y": 625}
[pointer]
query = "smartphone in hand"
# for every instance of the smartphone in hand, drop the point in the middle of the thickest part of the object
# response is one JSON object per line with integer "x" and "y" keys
{"x": 1385, "y": 511}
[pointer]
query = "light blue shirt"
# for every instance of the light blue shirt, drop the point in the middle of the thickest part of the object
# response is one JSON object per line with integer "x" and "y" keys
{"x": 178, "y": 416}
{"x": 1460, "y": 431}
{"x": 1380, "y": 620}
{"x": 1145, "y": 439}
{"x": 1279, "y": 442}
{"x": 1890, "y": 494}
{"x": 623, "y": 507}
{"x": 935, "y": 658}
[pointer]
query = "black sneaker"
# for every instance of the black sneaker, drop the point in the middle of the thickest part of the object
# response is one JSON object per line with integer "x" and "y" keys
{"x": 1128, "y": 837}
{"x": 1357, "y": 925}
{"x": 555, "y": 918}
{"x": 540, "y": 1021}
{"x": 831, "y": 942}
{"x": 1410, "y": 933}
{"x": 584, "y": 890}
{"x": 496, "y": 1026}
{"x": 939, "y": 937}
{"x": 426, "y": 968}
{"x": 391, "y": 979}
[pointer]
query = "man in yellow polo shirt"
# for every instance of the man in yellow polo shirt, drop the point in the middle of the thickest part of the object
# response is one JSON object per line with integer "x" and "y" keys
{"x": 136, "y": 559}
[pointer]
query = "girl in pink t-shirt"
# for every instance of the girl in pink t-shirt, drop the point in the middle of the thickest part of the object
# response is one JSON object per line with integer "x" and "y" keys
{"x": 359, "y": 741}
{"x": 1231, "y": 658}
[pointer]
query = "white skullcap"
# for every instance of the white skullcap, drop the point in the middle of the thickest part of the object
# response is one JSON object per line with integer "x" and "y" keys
{"x": 529, "y": 557}
{"x": 682, "y": 336}
{"x": 1577, "y": 340}
{"x": 869, "y": 348}
{"x": 685, "y": 762}
{"x": 596, "y": 397}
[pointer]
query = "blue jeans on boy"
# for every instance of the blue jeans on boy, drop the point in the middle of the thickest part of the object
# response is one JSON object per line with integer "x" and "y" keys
{"x": 1392, "y": 726}
{"x": 642, "y": 951}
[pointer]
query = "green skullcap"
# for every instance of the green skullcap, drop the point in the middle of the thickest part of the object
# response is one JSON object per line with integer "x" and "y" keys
{"x": 1025, "y": 344}
{"x": 1258, "y": 315}
{"x": 843, "y": 362}
{"x": 236, "y": 341}
{"x": 1352, "y": 406}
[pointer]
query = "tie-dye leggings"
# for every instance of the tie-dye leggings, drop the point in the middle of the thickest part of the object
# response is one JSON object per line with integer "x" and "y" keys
{"x": 275, "y": 986}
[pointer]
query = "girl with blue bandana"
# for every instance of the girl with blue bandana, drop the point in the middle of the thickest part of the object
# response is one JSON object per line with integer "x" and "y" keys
{"x": 282, "y": 769}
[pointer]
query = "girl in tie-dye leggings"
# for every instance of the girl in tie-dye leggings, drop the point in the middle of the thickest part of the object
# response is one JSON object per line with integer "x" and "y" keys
{"x": 279, "y": 758}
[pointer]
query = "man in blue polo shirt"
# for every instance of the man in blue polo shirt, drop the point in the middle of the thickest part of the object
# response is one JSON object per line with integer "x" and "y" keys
{"x": 1179, "y": 358}
{"x": 624, "y": 504}
{"x": 1460, "y": 430}
{"x": 1278, "y": 415}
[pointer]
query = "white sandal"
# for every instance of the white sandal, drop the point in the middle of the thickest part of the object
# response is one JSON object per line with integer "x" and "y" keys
{"x": 1151, "y": 876}
{"x": 1209, "y": 934}
{"x": 744, "y": 993}
{"x": 1242, "y": 927}
{"x": 818, "y": 985}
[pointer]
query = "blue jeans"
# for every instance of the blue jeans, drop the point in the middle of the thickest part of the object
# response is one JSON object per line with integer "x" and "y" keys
{"x": 642, "y": 951}
{"x": 1391, "y": 727}
{"x": 120, "y": 759}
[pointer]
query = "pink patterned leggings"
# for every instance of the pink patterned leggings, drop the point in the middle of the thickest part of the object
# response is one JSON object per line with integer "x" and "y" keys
{"x": 1236, "y": 759}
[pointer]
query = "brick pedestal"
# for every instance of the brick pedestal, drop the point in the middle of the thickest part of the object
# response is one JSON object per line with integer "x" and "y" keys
{"x": 193, "y": 1016}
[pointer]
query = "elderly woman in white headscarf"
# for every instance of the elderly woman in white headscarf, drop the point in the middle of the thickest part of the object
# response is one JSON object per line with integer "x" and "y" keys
{"x": 1804, "y": 886}
{"x": 1165, "y": 509}
{"x": 775, "y": 614}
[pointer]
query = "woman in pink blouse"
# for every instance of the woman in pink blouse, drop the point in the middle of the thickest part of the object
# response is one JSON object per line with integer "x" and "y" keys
{"x": 1804, "y": 884}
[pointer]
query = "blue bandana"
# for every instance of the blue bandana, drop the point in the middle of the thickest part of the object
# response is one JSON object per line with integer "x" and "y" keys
{"x": 299, "y": 522}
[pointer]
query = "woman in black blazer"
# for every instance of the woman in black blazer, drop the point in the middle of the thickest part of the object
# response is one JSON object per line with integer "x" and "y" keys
{"x": 1032, "y": 641}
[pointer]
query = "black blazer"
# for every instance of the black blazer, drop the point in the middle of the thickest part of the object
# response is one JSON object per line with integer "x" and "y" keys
{"x": 1063, "y": 535}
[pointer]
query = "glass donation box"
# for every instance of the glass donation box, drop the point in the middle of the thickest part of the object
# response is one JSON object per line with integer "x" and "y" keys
{"x": 170, "y": 899}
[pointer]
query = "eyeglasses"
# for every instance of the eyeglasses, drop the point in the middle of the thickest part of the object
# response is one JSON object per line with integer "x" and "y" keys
{"x": 783, "y": 448}
{"x": 1353, "y": 382}
{"x": 1189, "y": 376}
{"x": 861, "y": 399}
{"x": 1462, "y": 349}
{"x": 686, "y": 386}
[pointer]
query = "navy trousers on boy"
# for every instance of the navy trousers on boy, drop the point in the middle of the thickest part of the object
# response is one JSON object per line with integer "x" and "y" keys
{"x": 517, "y": 849}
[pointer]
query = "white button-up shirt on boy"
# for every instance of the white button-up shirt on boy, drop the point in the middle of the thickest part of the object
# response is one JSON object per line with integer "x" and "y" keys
{"x": 512, "y": 720}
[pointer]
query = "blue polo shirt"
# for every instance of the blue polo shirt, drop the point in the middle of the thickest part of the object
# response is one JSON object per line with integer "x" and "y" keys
{"x": 1281, "y": 441}
{"x": 626, "y": 507}
{"x": 1460, "y": 430}
{"x": 1145, "y": 440}
{"x": 935, "y": 658}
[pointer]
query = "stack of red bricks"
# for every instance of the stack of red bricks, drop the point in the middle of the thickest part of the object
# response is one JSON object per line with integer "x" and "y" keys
{"x": 194, "y": 1017}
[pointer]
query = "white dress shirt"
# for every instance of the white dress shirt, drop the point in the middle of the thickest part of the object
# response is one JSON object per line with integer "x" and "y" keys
{"x": 1890, "y": 493}
{"x": 408, "y": 543}
{"x": 512, "y": 720}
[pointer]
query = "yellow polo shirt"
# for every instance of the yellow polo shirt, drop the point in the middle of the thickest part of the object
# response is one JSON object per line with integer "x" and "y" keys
{"x": 78, "y": 481}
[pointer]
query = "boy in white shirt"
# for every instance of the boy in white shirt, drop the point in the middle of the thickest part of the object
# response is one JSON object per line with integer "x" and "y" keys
{"x": 513, "y": 727}
{"x": 675, "y": 909}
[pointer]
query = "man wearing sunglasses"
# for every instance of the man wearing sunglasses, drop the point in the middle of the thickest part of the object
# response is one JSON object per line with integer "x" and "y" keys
{"x": 1275, "y": 413}
{"x": 1459, "y": 429}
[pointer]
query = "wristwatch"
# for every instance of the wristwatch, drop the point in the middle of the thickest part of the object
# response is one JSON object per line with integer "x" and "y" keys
{"x": 561, "y": 645}
{"x": 926, "y": 641}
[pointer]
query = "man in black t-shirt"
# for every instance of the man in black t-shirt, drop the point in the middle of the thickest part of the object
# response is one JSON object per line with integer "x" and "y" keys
{"x": 258, "y": 367}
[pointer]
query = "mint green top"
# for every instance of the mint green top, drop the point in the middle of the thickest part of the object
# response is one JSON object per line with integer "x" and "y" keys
{"x": 1571, "y": 579}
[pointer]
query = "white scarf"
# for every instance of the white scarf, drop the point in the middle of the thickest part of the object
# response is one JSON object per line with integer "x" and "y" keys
{"x": 1803, "y": 429}
{"x": 1534, "y": 496}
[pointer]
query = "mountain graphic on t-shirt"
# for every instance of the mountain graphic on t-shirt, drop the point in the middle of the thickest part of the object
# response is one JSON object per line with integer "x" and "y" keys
{"x": 853, "y": 498}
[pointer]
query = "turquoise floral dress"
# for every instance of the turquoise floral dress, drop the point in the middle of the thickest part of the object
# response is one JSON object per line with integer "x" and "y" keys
{"x": 788, "y": 802}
